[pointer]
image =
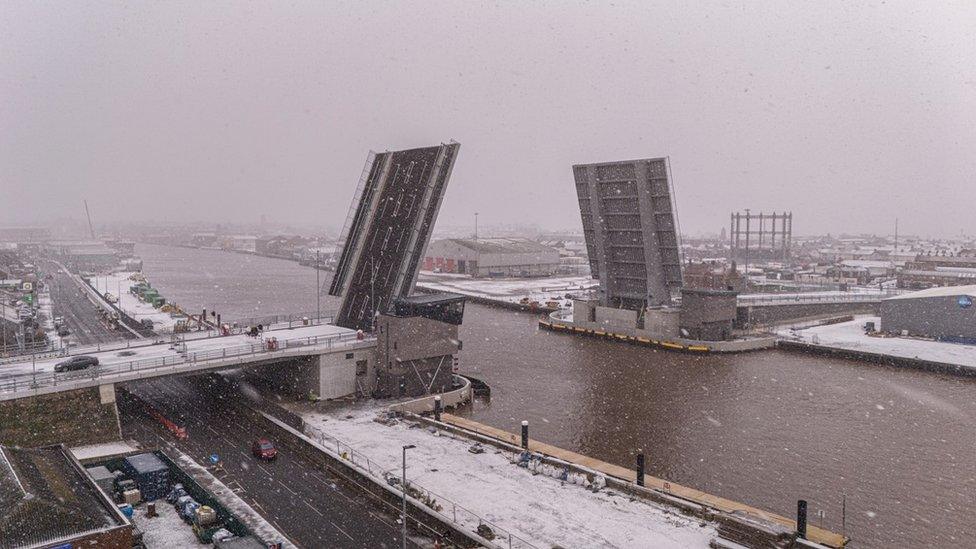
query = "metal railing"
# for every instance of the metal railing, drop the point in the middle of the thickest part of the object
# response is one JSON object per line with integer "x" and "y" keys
{"x": 851, "y": 297}
{"x": 237, "y": 327}
{"x": 181, "y": 358}
{"x": 448, "y": 510}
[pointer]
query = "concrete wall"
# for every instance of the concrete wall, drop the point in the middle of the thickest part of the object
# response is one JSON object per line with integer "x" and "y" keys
{"x": 940, "y": 317}
{"x": 609, "y": 317}
{"x": 764, "y": 315}
{"x": 707, "y": 314}
{"x": 662, "y": 321}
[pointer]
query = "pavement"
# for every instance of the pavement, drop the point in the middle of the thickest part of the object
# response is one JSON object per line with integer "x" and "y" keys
{"x": 308, "y": 504}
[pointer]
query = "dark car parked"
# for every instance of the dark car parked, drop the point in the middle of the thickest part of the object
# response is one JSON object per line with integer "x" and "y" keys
{"x": 76, "y": 363}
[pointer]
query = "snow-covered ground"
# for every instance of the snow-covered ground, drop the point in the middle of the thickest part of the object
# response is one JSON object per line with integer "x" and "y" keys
{"x": 542, "y": 510}
{"x": 118, "y": 284}
{"x": 851, "y": 336}
{"x": 511, "y": 290}
{"x": 167, "y": 529}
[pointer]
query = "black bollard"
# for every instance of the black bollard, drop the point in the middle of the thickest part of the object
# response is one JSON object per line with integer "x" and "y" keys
{"x": 218, "y": 321}
{"x": 437, "y": 408}
{"x": 525, "y": 435}
{"x": 801, "y": 518}
{"x": 640, "y": 467}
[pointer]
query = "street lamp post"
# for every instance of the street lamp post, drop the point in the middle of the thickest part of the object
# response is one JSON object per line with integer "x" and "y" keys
{"x": 403, "y": 484}
{"x": 318, "y": 290}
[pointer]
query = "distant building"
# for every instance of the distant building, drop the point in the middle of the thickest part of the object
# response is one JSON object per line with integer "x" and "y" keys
{"x": 860, "y": 271}
{"x": 22, "y": 235}
{"x": 83, "y": 255}
{"x": 48, "y": 500}
{"x": 492, "y": 257}
{"x": 240, "y": 243}
{"x": 927, "y": 271}
{"x": 941, "y": 313}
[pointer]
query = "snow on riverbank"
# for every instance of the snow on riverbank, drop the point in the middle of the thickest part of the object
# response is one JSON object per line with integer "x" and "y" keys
{"x": 850, "y": 336}
{"x": 541, "y": 510}
{"x": 511, "y": 290}
{"x": 118, "y": 284}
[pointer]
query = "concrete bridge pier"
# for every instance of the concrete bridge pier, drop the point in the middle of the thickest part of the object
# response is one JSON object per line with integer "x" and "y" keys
{"x": 332, "y": 374}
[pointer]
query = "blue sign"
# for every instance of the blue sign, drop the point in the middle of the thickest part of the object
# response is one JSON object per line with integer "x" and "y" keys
{"x": 965, "y": 301}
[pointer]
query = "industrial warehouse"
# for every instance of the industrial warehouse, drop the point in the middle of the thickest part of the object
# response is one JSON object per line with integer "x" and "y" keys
{"x": 491, "y": 257}
{"x": 942, "y": 313}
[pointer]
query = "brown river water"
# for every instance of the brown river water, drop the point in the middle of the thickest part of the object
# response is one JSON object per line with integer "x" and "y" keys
{"x": 765, "y": 428}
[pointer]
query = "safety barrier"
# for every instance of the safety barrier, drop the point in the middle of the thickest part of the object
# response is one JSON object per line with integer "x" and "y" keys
{"x": 262, "y": 348}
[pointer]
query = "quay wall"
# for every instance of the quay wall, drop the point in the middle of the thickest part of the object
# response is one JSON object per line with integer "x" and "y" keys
{"x": 877, "y": 358}
{"x": 642, "y": 337}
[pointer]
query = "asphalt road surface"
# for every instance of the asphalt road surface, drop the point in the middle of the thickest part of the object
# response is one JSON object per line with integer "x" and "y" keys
{"x": 80, "y": 315}
{"x": 308, "y": 504}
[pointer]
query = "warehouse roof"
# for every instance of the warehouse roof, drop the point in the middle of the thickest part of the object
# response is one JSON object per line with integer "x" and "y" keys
{"x": 44, "y": 496}
{"x": 501, "y": 245}
{"x": 942, "y": 291}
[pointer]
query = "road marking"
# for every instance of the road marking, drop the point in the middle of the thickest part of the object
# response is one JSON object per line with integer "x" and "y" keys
{"x": 294, "y": 493}
{"x": 341, "y": 530}
{"x": 310, "y": 506}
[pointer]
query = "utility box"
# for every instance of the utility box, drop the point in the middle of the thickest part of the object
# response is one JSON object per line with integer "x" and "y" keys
{"x": 102, "y": 477}
{"x": 150, "y": 474}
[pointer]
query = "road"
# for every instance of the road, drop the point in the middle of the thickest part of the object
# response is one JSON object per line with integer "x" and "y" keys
{"x": 82, "y": 318}
{"x": 312, "y": 507}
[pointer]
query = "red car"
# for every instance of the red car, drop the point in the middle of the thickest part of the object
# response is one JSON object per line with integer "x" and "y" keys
{"x": 263, "y": 448}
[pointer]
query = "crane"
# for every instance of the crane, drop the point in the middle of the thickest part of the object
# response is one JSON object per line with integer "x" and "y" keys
{"x": 90, "y": 228}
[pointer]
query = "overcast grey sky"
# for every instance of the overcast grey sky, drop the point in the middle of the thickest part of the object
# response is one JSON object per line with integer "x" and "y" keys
{"x": 848, "y": 115}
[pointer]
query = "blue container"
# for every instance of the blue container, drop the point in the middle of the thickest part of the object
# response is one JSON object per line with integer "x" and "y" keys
{"x": 126, "y": 509}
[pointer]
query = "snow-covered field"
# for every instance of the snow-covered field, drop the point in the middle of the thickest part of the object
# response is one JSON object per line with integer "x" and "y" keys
{"x": 542, "y": 510}
{"x": 851, "y": 336}
{"x": 118, "y": 284}
{"x": 511, "y": 290}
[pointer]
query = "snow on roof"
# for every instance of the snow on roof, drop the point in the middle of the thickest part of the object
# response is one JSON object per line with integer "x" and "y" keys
{"x": 502, "y": 245}
{"x": 942, "y": 291}
{"x": 867, "y": 263}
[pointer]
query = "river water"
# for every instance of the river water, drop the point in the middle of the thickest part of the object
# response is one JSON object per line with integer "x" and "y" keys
{"x": 764, "y": 428}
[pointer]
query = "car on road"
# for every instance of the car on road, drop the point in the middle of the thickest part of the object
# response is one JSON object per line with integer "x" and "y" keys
{"x": 263, "y": 448}
{"x": 79, "y": 362}
{"x": 63, "y": 331}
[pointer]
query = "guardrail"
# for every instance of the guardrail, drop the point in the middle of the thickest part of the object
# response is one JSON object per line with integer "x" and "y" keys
{"x": 52, "y": 379}
{"x": 237, "y": 327}
{"x": 448, "y": 510}
{"x": 854, "y": 297}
